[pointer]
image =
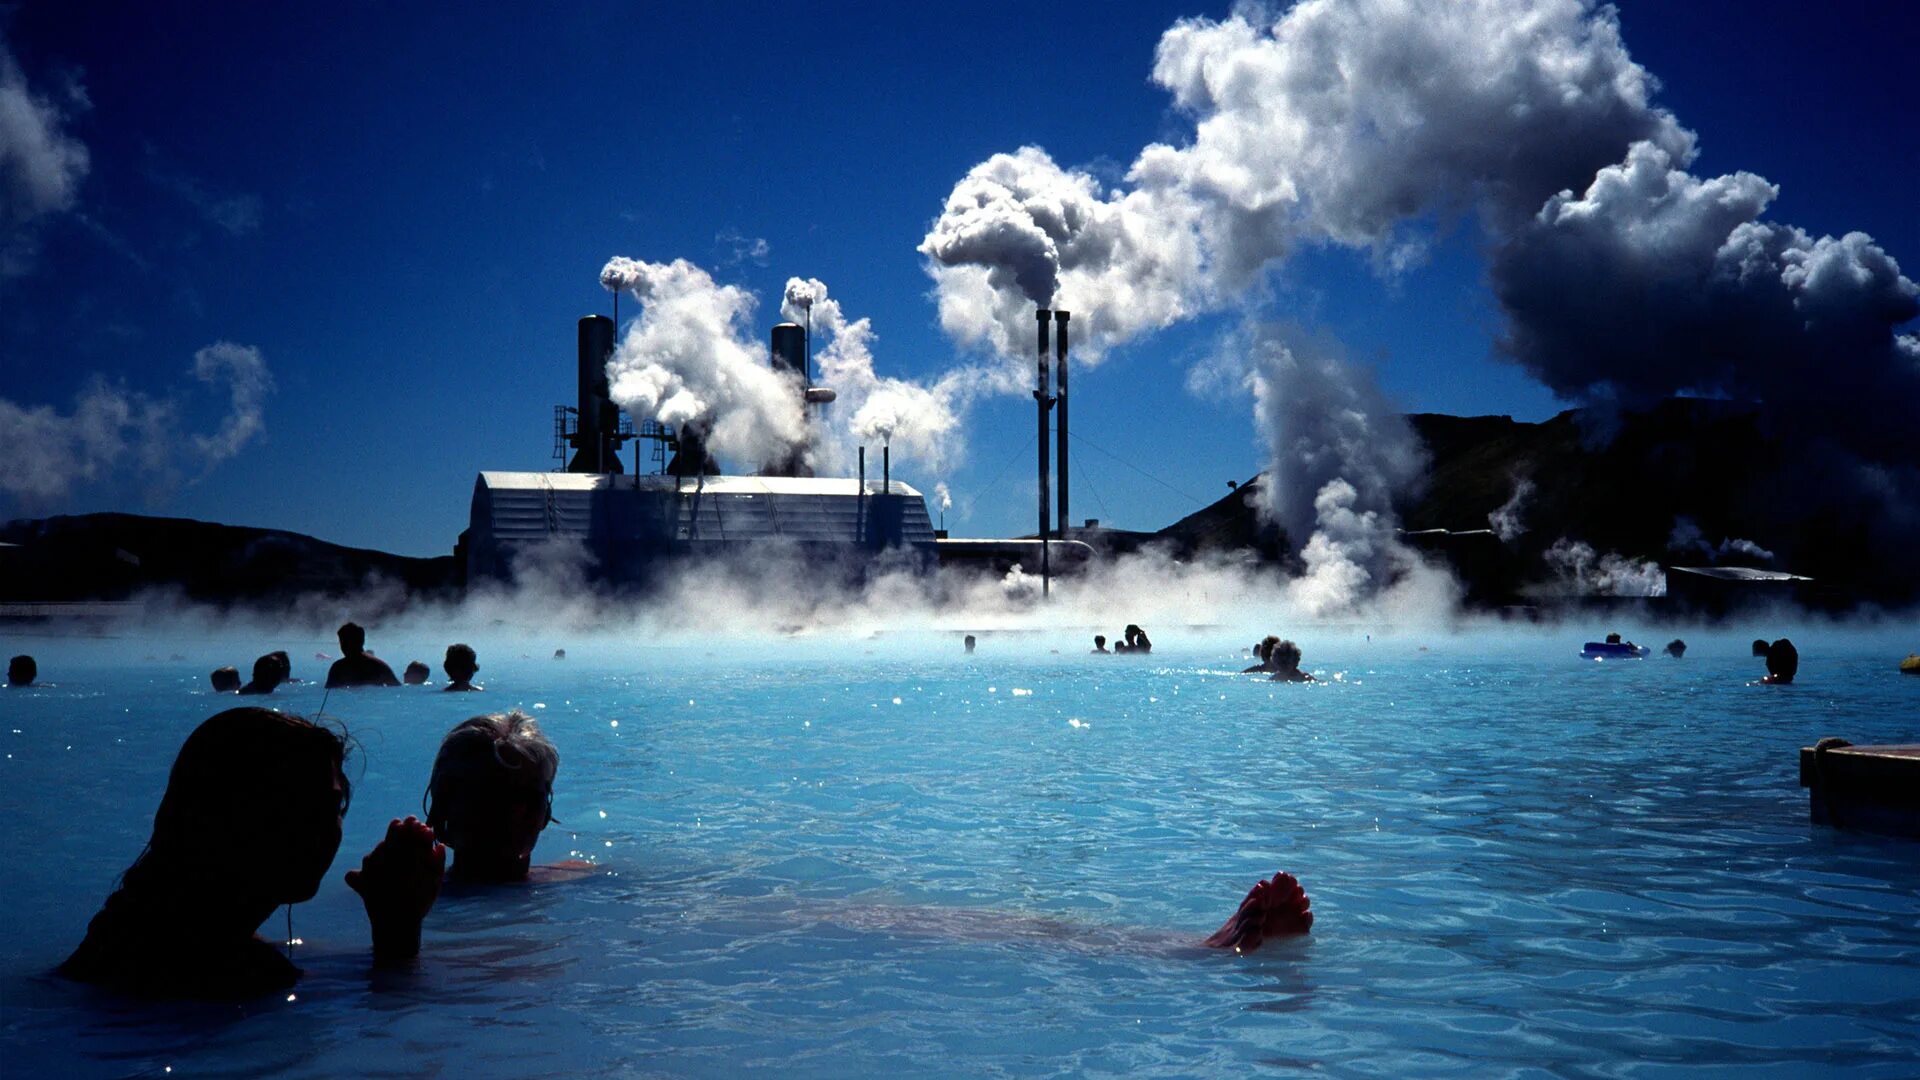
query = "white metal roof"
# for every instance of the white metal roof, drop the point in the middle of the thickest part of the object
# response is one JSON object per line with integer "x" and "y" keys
{"x": 1739, "y": 573}
{"x": 714, "y": 485}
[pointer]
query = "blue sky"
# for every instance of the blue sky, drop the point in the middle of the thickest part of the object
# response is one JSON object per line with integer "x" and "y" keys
{"x": 404, "y": 208}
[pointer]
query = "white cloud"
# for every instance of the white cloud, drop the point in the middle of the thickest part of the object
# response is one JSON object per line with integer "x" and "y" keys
{"x": 113, "y": 429}
{"x": 41, "y": 164}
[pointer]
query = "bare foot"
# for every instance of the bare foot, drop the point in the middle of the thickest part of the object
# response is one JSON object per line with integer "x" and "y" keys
{"x": 1272, "y": 909}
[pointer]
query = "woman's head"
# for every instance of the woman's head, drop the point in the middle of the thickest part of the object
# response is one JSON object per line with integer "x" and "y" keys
{"x": 1265, "y": 648}
{"x": 491, "y": 792}
{"x": 254, "y": 805}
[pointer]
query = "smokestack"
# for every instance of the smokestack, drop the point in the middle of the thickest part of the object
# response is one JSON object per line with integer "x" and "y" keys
{"x": 787, "y": 350}
{"x": 1041, "y": 402}
{"x": 790, "y": 350}
{"x": 886, "y": 469}
{"x": 1060, "y": 376}
{"x": 599, "y": 417}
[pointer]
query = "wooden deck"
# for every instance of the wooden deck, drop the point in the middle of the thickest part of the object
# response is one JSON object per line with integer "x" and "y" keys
{"x": 1870, "y": 788}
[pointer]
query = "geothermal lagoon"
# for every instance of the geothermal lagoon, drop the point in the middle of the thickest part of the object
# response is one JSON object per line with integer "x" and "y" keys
{"x": 870, "y": 854}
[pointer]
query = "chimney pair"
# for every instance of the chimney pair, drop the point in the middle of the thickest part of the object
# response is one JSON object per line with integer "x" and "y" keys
{"x": 1044, "y": 401}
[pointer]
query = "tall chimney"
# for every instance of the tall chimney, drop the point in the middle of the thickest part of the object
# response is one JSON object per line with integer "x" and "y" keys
{"x": 1041, "y": 401}
{"x": 1060, "y": 343}
{"x": 599, "y": 417}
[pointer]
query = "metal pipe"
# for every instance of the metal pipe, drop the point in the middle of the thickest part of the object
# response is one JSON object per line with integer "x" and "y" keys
{"x": 1060, "y": 375}
{"x": 1041, "y": 401}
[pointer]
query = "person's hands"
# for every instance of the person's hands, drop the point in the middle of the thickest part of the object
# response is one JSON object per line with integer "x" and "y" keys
{"x": 1271, "y": 909}
{"x": 398, "y": 882}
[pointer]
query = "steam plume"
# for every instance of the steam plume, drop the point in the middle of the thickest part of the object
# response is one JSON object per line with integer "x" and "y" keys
{"x": 1505, "y": 519}
{"x": 692, "y": 356}
{"x": 1583, "y": 572}
{"x": 1341, "y": 124}
{"x": 920, "y": 422}
{"x": 1338, "y": 453}
{"x": 1624, "y": 277}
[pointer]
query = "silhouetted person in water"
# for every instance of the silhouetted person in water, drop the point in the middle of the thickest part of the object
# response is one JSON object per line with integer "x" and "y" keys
{"x": 1783, "y": 662}
{"x": 1137, "y": 640}
{"x": 251, "y": 820}
{"x": 969, "y": 644}
{"x": 1100, "y": 643}
{"x": 416, "y": 674}
{"x": 1284, "y": 659}
{"x": 1262, "y": 652}
{"x": 1676, "y": 648}
{"x": 226, "y": 680}
{"x": 559, "y": 654}
{"x": 1759, "y": 647}
{"x": 461, "y": 664}
{"x": 355, "y": 667}
{"x": 21, "y": 671}
{"x": 491, "y": 795}
{"x": 267, "y": 674}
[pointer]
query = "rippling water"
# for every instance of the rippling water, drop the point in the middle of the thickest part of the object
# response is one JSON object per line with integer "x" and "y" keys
{"x": 883, "y": 858}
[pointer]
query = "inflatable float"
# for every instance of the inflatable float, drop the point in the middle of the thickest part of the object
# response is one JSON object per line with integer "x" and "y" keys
{"x": 1613, "y": 650}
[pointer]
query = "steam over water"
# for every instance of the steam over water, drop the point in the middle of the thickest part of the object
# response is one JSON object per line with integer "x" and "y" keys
{"x": 853, "y": 855}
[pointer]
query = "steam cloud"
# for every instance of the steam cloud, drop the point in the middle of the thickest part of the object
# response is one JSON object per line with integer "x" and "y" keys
{"x": 1338, "y": 455}
{"x": 1339, "y": 124}
{"x": 1688, "y": 538}
{"x": 692, "y": 356}
{"x": 920, "y": 422}
{"x": 1720, "y": 303}
{"x": 1505, "y": 520}
{"x": 41, "y": 165}
{"x": 50, "y": 453}
{"x": 1362, "y": 125}
{"x": 1583, "y": 572}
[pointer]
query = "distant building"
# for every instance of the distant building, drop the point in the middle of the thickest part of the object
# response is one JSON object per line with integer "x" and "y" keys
{"x": 1716, "y": 590}
{"x": 630, "y": 528}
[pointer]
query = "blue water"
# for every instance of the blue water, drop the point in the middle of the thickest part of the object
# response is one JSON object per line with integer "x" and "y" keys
{"x": 882, "y": 858}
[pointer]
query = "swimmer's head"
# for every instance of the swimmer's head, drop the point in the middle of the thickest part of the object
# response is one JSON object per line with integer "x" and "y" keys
{"x": 1783, "y": 661}
{"x": 21, "y": 671}
{"x": 286, "y": 663}
{"x": 225, "y": 680}
{"x": 266, "y": 672}
{"x": 255, "y": 796}
{"x": 1099, "y": 641}
{"x": 1759, "y": 647}
{"x": 1284, "y": 655}
{"x": 416, "y": 674}
{"x": 1265, "y": 649}
{"x": 461, "y": 662}
{"x": 491, "y": 793}
{"x": 353, "y": 638}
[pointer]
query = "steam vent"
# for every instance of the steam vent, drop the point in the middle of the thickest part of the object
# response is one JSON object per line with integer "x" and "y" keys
{"x": 632, "y": 526}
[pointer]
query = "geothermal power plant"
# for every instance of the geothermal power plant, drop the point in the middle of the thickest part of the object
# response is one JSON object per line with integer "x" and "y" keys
{"x": 673, "y": 504}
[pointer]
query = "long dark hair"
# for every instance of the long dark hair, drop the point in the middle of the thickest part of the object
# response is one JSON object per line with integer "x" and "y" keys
{"x": 235, "y": 766}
